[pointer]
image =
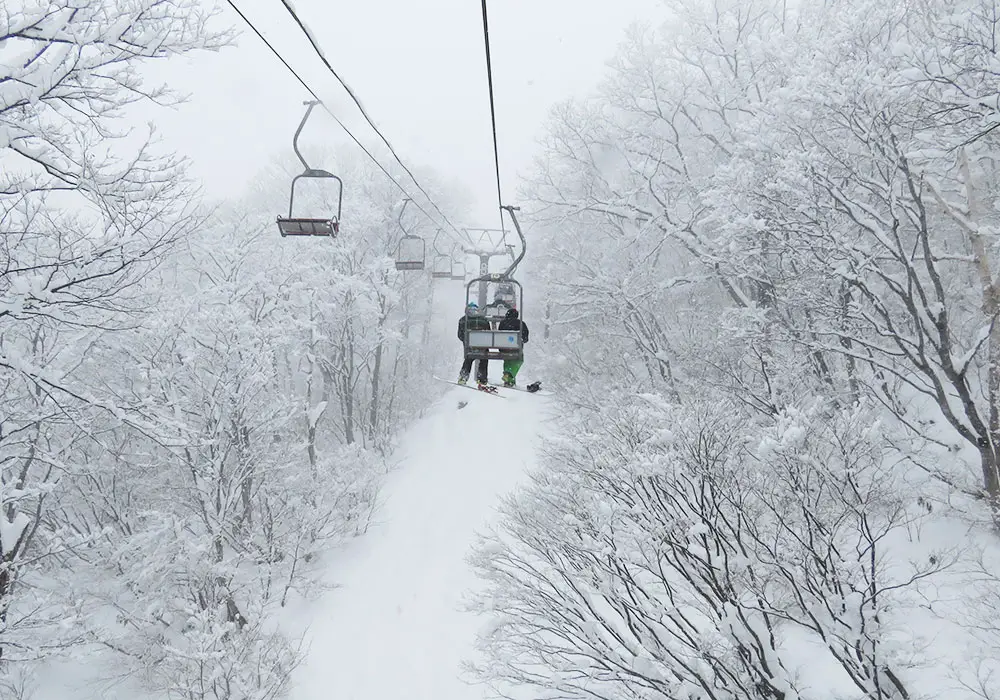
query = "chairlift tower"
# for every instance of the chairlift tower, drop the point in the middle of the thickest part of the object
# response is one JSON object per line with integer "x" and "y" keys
{"x": 484, "y": 256}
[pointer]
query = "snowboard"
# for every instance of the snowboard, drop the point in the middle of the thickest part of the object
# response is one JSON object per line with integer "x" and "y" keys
{"x": 525, "y": 389}
{"x": 491, "y": 391}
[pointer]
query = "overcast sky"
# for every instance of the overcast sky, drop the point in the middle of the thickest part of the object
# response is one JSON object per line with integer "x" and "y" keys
{"x": 418, "y": 68}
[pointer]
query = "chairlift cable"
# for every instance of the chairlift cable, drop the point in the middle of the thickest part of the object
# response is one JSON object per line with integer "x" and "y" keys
{"x": 274, "y": 50}
{"x": 335, "y": 118}
{"x": 493, "y": 113}
{"x": 354, "y": 97}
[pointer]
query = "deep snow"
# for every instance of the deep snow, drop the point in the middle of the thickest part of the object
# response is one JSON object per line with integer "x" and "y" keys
{"x": 395, "y": 627}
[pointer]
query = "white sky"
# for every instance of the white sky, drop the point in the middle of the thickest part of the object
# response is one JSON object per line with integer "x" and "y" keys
{"x": 418, "y": 67}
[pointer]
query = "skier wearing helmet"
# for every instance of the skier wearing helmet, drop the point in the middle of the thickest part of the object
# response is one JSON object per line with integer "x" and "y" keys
{"x": 511, "y": 367}
{"x": 473, "y": 320}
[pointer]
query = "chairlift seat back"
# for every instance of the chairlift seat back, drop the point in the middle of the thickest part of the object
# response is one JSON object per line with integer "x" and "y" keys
{"x": 494, "y": 345}
{"x": 501, "y": 340}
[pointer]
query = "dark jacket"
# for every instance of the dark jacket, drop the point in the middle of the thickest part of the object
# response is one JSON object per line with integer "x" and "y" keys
{"x": 475, "y": 323}
{"x": 512, "y": 323}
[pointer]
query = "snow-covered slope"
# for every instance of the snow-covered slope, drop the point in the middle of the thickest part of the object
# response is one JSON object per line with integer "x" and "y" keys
{"x": 395, "y": 626}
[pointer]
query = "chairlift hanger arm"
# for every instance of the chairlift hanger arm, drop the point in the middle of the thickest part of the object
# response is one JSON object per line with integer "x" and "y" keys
{"x": 520, "y": 234}
{"x": 310, "y": 106}
{"x": 399, "y": 220}
{"x": 434, "y": 243}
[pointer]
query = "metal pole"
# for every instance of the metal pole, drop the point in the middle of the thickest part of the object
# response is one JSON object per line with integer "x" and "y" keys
{"x": 524, "y": 245}
{"x": 484, "y": 270}
{"x": 295, "y": 139}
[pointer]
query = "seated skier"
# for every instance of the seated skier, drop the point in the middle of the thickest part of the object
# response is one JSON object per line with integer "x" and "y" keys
{"x": 511, "y": 367}
{"x": 474, "y": 321}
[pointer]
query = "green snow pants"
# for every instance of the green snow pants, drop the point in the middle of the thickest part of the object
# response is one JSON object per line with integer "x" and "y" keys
{"x": 512, "y": 367}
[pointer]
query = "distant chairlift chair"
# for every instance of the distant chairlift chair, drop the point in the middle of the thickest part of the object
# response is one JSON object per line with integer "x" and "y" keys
{"x": 441, "y": 268}
{"x": 410, "y": 254}
{"x": 299, "y": 226}
{"x": 441, "y": 263}
{"x": 458, "y": 270}
{"x": 504, "y": 300}
{"x": 411, "y": 249}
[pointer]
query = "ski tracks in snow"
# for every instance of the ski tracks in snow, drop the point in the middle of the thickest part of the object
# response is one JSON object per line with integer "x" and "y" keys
{"x": 395, "y": 628}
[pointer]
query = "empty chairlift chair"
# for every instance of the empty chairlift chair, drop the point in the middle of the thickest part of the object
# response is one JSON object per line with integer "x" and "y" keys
{"x": 458, "y": 270}
{"x": 440, "y": 263}
{"x": 410, "y": 253}
{"x": 311, "y": 226}
{"x": 441, "y": 267}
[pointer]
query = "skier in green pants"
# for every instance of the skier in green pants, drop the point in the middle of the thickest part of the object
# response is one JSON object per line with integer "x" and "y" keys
{"x": 511, "y": 367}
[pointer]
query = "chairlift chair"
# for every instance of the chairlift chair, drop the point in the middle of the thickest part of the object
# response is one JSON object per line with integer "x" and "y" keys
{"x": 302, "y": 226}
{"x": 458, "y": 270}
{"x": 504, "y": 298}
{"x": 441, "y": 267}
{"x": 492, "y": 344}
{"x": 441, "y": 263}
{"x": 495, "y": 344}
{"x": 507, "y": 294}
{"x": 410, "y": 251}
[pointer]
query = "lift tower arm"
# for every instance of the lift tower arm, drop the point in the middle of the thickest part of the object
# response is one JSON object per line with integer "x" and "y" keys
{"x": 524, "y": 245}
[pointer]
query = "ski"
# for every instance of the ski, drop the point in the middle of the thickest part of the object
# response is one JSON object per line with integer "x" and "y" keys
{"x": 492, "y": 391}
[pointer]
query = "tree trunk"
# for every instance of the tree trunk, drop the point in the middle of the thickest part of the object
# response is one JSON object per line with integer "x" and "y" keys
{"x": 988, "y": 447}
{"x": 988, "y": 451}
{"x": 374, "y": 403}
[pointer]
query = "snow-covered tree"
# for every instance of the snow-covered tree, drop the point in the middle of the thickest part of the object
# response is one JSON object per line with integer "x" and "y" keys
{"x": 689, "y": 553}
{"x": 87, "y": 208}
{"x": 800, "y": 161}
{"x": 267, "y": 383}
{"x": 877, "y": 212}
{"x": 775, "y": 220}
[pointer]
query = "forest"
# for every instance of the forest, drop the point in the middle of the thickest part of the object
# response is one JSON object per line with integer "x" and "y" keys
{"x": 763, "y": 257}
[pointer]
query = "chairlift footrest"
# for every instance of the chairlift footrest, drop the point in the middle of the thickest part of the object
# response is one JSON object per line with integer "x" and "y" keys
{"x": 308, "y": 227}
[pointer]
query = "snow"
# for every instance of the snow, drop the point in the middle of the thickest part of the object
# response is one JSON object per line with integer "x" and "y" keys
{"x": 315, "y": 413}
{"x": 10, "y": 531}
{"x": 395, "y": 625}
